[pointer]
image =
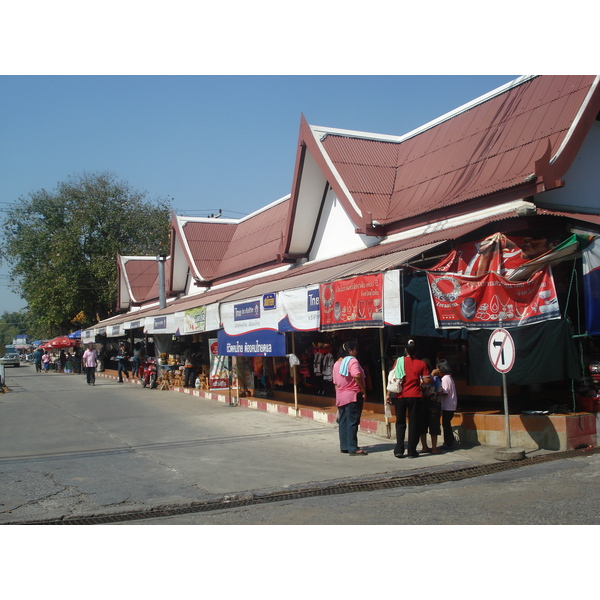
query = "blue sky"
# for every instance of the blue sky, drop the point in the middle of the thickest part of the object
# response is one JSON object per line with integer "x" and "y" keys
{"x": 207, "y": 142}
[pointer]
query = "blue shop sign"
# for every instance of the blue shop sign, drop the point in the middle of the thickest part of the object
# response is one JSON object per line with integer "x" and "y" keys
{"x": 264, "y": 342}
{"x": 160, "y": 323}
{"x": 312, "y": 299}
{"x": 247, "y": 310}
{"x": 269, "y": 302}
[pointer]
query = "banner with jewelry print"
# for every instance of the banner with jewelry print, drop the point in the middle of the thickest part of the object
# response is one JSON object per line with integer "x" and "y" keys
{"x": 481, "y": 302}
{"x": 353, "y": 303}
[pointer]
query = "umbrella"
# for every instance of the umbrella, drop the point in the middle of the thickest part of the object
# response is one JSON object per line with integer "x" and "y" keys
{"x": 62, "y": 341}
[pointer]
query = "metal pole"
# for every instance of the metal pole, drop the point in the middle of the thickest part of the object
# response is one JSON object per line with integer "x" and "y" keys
{"x": 505, "y": 397}
{"x": 162, "y": 294}
{"x": 506, "y": 415}
{"x": 295, "y": 375}
{"x": 384, "y": 381}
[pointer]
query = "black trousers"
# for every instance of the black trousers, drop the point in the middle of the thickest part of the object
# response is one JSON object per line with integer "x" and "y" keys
{"x": 447, "y": 428}
{"x": 90, "y": 373}
{"x": 122, "y": 368}
{"x": 407, "y": 407}
{"x": 190, "y": 377}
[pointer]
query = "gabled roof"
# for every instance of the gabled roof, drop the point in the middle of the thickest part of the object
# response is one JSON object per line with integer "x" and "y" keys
{"x": 519, "y": 139}
{"x": 138, "y": 279}
{"x": 217, "y": 249}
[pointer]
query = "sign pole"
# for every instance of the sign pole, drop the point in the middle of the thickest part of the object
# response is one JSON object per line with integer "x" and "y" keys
{"x": 506, "y": 415}
{"x": 505, "y": 396}
{"x": 501, "y": 351}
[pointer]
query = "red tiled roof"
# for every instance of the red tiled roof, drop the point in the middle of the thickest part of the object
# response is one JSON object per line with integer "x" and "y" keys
{"x": 141, "y": 274}
{"x": 221, "y": 249}
{"x": 256, "y": 241}
{"x": 490, "y": 147}
{"x": 208, "y": 243}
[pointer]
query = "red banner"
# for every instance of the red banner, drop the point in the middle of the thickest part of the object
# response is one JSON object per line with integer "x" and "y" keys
{"x": 352, "y": 303}
{"x": 481, "y": 302}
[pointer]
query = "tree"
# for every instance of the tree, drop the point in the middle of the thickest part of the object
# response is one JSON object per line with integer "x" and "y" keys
{"x": 62, "y": 246}
{"x": 11, "y": 325}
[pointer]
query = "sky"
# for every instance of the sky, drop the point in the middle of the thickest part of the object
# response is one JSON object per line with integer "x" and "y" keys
{"x": 208, "y": 143}
{"x": 202, "y": 104}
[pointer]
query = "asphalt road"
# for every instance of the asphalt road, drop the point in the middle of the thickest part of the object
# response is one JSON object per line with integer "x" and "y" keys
{"x": 68, "y": 449}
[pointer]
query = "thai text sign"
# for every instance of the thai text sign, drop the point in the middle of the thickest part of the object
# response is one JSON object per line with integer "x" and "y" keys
{"x": 194, "y": 319}
{"x": 482, "y": 302}
{"x": 352, "y": 303}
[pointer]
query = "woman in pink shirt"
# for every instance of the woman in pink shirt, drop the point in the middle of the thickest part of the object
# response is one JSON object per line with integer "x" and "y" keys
{"x": 350, "y": 394}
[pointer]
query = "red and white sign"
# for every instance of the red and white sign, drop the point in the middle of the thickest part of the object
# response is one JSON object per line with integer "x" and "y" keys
{"x": 501, "y": 350}
{"x": 482, "y": 302}
{"x": 352, "y": 303}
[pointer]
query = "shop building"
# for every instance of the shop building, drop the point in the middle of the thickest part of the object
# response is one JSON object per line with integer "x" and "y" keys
{"x": 385, "y": 238}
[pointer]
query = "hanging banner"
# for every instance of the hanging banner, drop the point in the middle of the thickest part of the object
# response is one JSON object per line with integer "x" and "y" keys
{"x": 300, "y": 309}
{"x": 591, "y": 287}
{"x": 218, "y": 378}
{"x": 168, "y": 324}
{"x": 353, "y": 303}
{"x": 392, "y": 315}
{"x": 481, "y": 302}
{"x": 194, "y": 320}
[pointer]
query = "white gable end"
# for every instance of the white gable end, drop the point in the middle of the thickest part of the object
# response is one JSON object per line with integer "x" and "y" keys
{"x": 582, "y": 180}
{"x": 336, "y": 233}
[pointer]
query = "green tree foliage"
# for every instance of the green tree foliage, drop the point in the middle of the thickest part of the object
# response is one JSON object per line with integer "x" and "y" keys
{"x": 62, "y": 246}
{"x": 11, "y": 325}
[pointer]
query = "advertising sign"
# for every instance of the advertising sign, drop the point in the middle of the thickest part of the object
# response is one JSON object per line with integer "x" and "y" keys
{"x": 353, "y": 303}
{"x": 481, "y": 302}
{"x": 250, "y": 328}
{"x": 219, "y": 371}
{"x": 300, "y": 309}
{"x": 194, "y": 320}
{"x": 258, "y": 343}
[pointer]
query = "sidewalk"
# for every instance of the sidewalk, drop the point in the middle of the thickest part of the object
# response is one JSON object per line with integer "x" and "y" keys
{"x": 481, "y": 432}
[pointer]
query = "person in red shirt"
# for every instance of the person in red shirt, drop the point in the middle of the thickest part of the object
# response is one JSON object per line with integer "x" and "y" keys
{"x": 410, "y": 402}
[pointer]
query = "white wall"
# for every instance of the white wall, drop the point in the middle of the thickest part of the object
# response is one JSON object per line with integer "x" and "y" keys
{"x": 582, "y": 180}
{"x": 336, "y": 232}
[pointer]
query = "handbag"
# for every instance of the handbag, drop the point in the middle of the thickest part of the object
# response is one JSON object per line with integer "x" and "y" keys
{"x": 394, "y": 385}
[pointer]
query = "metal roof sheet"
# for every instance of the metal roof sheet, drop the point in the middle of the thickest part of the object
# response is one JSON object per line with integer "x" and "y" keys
{"x": 488, "y": 148}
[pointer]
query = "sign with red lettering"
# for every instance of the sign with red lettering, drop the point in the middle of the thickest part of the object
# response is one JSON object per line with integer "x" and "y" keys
{"x": 482, "y": 302}
{"x": 353, "y": 303}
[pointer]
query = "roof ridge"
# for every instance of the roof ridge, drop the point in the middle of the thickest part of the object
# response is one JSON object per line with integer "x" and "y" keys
{"x": 397, "y": 139}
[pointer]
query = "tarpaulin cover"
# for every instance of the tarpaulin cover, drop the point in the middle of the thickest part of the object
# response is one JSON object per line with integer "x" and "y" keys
{"x": 543, "y": 352}
{"x": 419, "y": 313}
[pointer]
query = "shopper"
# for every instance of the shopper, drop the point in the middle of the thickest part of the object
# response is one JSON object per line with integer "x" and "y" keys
{"x": 350, "y": 394}
{"x": 37, "y": 359}
{"x": 190, "y": 368}
{"x": 122, "y": 363}
{"x": 431, "y": 411}
{"x": 46, "y": 360}
{"x": 449, "y": 403}
{"x": 409, "y": 402}
{"x": 89, "y": 359}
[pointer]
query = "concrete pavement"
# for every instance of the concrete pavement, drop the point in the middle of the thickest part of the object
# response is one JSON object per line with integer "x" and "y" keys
{"x": 70, "y": 449}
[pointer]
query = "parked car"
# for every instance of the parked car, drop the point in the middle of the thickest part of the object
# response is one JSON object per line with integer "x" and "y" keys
{"x": 11, "y": 359}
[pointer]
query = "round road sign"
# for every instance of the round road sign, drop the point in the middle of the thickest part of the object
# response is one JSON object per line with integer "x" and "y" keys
{"x": 501, "y": 350}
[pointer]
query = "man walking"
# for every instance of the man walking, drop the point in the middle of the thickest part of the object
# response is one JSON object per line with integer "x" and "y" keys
{"x": 89, "y": 362}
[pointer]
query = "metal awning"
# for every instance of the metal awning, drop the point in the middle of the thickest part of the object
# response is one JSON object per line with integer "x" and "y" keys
{"x": 316, "y": 276}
